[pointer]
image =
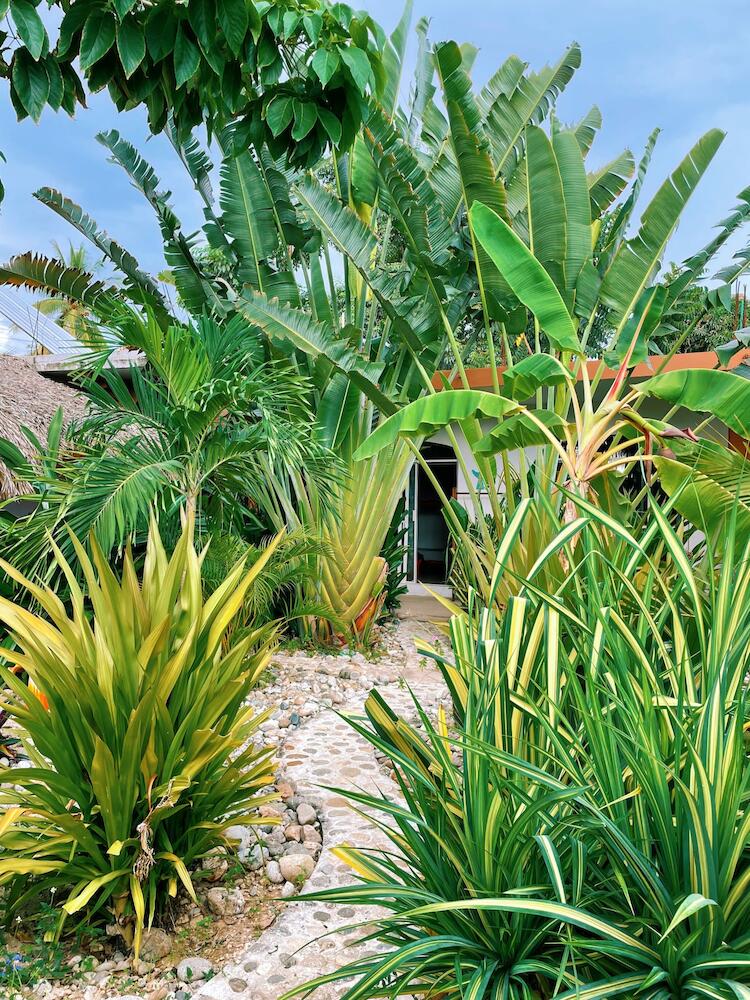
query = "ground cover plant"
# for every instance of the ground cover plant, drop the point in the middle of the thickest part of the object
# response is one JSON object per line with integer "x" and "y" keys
{"x": 138, "y": 741}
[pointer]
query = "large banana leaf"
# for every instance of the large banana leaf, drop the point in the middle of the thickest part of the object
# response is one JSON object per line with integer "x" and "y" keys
{"x": 475, "y": 169}
{"x": 608, "y": 183}
{"x": 709, "y": 483}
{"x": 41, "y": 274}
{"x": 526, "y": 276}
{"x": 85, "y": 225}
{"x": 295, "y": 326}
{"x": 724, "y": 395}
{"x": 636, "y": 259}
{"x": 546, "y": 206}
{"x": 522, "y": 430}
{"x": 523, "y": 379}
{"x": 516, "y": 100}
{"x": 430, "y": 413}
{"x": 577, "y": 205}
{"x": 248, "y": 214}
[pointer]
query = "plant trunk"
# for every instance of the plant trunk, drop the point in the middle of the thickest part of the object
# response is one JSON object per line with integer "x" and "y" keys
{"x": 353, "y": 573}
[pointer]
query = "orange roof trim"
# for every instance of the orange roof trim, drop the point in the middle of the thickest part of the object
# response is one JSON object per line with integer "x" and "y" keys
{"x": 481, "y": 378}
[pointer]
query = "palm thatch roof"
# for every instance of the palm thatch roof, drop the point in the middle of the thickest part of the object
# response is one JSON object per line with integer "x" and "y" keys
{"x": 28, "y": 399}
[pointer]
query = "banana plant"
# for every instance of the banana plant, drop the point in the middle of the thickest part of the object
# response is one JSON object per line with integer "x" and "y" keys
{"x": 571, "y": 273}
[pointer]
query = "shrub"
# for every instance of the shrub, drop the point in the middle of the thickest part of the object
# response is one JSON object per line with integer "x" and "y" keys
{"x": 585, "y": 830}
{"x": 145, "y": 753}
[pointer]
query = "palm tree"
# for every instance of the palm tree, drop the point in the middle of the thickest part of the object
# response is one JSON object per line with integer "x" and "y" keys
{"x": 72, "y": 316}
{"x": 206, "y": 423}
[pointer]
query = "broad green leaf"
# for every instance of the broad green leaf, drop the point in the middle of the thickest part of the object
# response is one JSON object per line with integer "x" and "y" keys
{"x": 522, "y": 430}
{"x": 131, "y": 45}
{"x": 358, "y": 65}
{"x": 722, "y": 394}
{"x": 324, "y": 64}
{"x": 233, "y": 20}
{"x": 577, "y": 206}
{"x": 709, "y": 484}
{"x": 97, "y": 39}
{"x": 515, "y": 100}
{"x": 431, "y": 413}
{"x": 186, "y": 57}
{"x": 546, "y": 206}
{"x": 30, "y": 82}
{"x": 633, "y": 340}
{"x": 526, "y": 277}
{"x": 279, "y": 114}
{"x": 29, "y": 26}
{"x": 305, "y": 116}
{"x": 637, "y": 258}
{"x": 523, "y": 379}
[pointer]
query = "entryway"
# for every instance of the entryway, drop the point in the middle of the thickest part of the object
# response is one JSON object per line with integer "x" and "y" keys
{"x": 428, "y": 537}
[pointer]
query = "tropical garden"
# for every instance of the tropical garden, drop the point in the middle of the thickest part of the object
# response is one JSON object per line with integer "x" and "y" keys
{"x": 573, "y": 819}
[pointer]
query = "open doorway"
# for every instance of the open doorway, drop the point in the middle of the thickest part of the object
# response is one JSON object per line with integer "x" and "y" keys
{"x": 433, "y": 537}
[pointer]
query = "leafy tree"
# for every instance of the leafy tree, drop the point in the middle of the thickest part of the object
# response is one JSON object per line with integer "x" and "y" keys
{"x": 292, "y": 74}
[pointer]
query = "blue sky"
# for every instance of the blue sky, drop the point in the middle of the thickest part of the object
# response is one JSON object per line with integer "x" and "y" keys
{"x": 678, "y": 65}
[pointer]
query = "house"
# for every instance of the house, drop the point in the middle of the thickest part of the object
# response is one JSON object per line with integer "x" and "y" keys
{"x": 427, "y": 542}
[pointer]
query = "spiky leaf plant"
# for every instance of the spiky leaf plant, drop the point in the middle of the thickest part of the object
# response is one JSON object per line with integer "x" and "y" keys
{"x": 141, "y": 747}
{"x": 584, "y": 831}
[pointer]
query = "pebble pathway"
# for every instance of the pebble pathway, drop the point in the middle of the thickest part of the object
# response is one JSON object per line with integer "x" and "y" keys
{"x": 325, "y": 750}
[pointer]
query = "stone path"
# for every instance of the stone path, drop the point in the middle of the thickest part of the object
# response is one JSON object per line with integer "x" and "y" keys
{"x": 325, "y": 750}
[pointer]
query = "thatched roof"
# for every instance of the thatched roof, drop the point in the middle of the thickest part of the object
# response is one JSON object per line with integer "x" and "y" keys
{"x": 30, "y": 400}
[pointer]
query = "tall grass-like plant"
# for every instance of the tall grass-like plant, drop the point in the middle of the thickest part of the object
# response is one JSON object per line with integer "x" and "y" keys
{"x": 584, "y": 830}
{"x": 140, "y": 745}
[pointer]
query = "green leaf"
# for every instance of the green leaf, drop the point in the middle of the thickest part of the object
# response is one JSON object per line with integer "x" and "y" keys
{"x": 295, "y": 326}
{"x": 546, "y": 206}
{"x": 722, "y": 394}
{"x": 202, "y": 16}
{"x": 29, "y": 26}
{"x": 577, "y": 207}
{"x": 233, "y": 19}
{"x": 324, "y": 64}
{"x": 279, "y": 114}
{"x": 521, "y": 430}
{"x": 637, "y": 332}
{"x": 97, "y": 39}
{"x": 526, "y": 276}
{"x": 186, "y": 57}
{"x": 523, "y": 379}
{"x": 359, "y": 66}
{"x": 248, "y": 216}
{"x": 160, "y": 35}
{"x": 431, "y": 413}
{"x": 30, "y": 82}
{"x": 690, "y": 905}
{"x": 312, "y": 23}
{"x": 131, "y": 45}
{"x": 331, "y": 124}
{"x": 709, "y": 484}
{"x": 305, "y": 116}
{"x": 608, "y": 183}
{"x": 636, "y": 259}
